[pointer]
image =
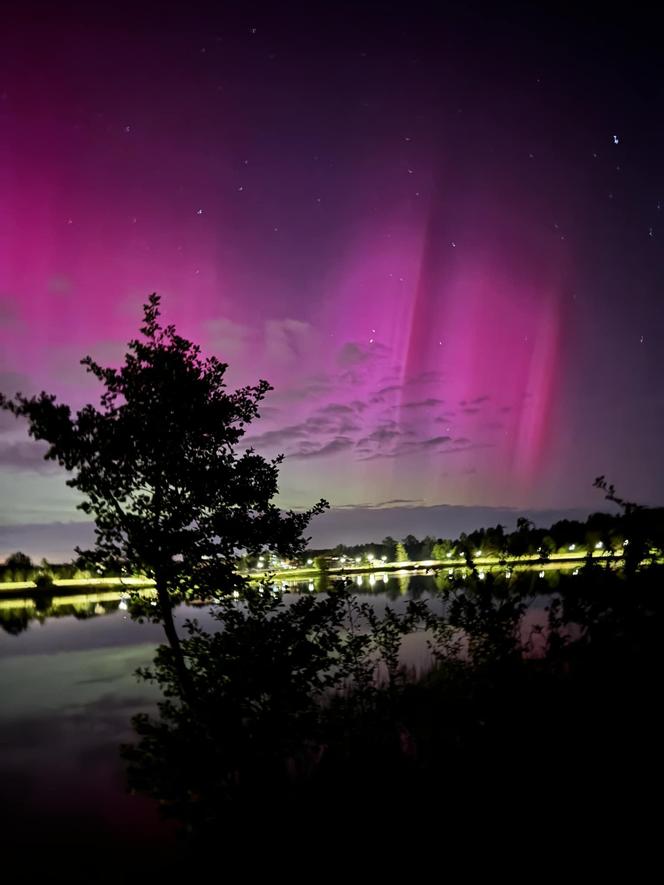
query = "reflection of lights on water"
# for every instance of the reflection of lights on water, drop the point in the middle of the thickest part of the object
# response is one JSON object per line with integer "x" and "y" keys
{"x": 541, "y": 574}
{"x": 311, "y": 586}
{"x": 122, "y": 605}
{"x": 358, "y": 580}
{"x": 372, "y": 580}
{"x": 450, "y": 573}
{"x": 508, "y": 574}
{"x": 575, "y": 572}
{"x": 153, "y": 602}
{"x": 481, "y": 576}
{"x": 384, "y": 579}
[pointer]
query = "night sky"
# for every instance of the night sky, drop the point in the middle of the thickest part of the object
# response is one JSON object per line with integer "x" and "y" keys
{"x": 435, "y": 229}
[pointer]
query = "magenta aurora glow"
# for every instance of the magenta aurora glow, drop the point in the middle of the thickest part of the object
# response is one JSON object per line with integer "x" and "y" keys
{"x": 446, "y": 261}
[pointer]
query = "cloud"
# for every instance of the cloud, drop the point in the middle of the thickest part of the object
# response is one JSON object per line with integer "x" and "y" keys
{"x": 435, "y": 441}
{"x": 227, "y": 338}
{"x": 59, "y": 284}
{"x": 8, "y": 312}
{"x": 394, "y": 502}
{"x": 409, "y": 447}
{"x": 381, "y": 436}
{"x": 287, "y": 340}
{"x": 11, "y": 382}
{"x": 283, "y": 435}
{"x": 429, "y": 377}
{"x": 336, "y": 409}
{"x": 422, "y": 404}
{"x": 338, "y": 444}
{"x": 307, "y": 391}
{"x": 26, "y": 455}
{"x": 352, "y": 353}
{"x": 379, "y": 395}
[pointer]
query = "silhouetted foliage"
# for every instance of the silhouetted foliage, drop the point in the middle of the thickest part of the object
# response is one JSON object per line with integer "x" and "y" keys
{"x": 158, "y": 469}
{"x": 286, "y": 693}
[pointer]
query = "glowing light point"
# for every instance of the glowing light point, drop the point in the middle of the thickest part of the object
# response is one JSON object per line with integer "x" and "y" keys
{"x": 616, "y": 140}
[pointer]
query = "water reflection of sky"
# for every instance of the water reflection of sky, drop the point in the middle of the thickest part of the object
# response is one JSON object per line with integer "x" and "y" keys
{"x": 67, "y": 695}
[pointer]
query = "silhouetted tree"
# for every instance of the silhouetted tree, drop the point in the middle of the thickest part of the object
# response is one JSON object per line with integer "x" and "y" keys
{"x": 401, "y": 554}
{"x": 412, "y": 545}
{"x": 158, "y": 470}
{"x": 18, "y": 560}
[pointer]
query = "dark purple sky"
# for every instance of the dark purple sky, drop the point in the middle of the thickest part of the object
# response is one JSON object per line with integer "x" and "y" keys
{"x": 437, "y": 231}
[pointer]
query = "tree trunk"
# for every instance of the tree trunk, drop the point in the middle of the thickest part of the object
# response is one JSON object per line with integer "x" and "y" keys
{"x": 184, "y": 676}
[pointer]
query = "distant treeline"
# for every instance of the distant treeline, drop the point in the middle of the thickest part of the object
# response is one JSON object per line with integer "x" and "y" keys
{"x": 637, "y": 533}
{"x": 643, "y": 528}
{"x": 20, "y": 567}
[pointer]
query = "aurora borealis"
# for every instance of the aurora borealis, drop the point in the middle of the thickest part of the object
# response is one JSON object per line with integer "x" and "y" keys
{"x": 437, "y": 233}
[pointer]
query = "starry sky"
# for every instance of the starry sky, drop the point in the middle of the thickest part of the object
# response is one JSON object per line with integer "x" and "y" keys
{"x": 436, "y": 229}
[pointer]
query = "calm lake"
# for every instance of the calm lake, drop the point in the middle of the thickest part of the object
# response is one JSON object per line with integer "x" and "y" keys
{"x": 67, "y": 695}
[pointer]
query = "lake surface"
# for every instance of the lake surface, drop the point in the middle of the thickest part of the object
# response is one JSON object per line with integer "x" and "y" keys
{"x": 68, "y": 691}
